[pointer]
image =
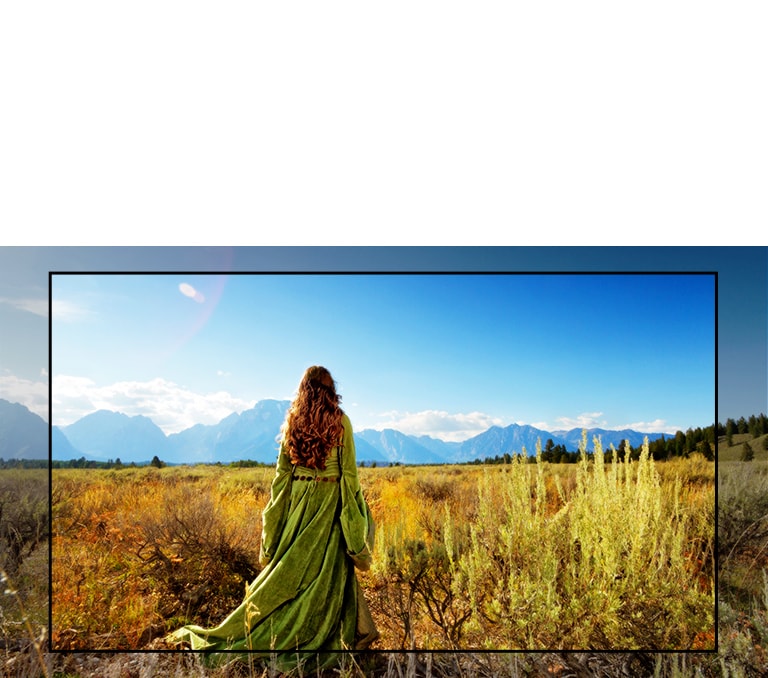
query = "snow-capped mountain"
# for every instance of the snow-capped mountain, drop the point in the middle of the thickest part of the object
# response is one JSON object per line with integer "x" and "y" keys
{"x": 398, "y": 447}
{"x": 252, "y": 434}
{"x": 106, "y": 435}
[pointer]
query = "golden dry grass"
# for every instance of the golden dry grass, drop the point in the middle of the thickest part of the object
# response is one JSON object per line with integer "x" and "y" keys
{"x": 516, "y": 556}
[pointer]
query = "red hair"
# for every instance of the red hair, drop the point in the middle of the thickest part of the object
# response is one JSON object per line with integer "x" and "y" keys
{"x": 313, "y": 424}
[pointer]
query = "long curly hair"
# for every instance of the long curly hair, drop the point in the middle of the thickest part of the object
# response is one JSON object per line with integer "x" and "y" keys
{"x": 313, "y": 424}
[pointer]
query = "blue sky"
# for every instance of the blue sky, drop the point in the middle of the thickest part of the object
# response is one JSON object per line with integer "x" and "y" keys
{"x": 446, "y": 355}
{"x": 742, "y": 353}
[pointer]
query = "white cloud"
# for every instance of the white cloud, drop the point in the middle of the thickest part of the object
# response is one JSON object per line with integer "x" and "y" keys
{"x": 188, "y": 291}
{"x": 584, "y": 420}
{"x": 32, "y": 394}
{"x": 172, "y": 407}
{"x": 655, "y": 426}
{"x": 596, "y": 420}
{"x": 437, "y": 424}
{"x": 67, "y": 311}
{"x": 35, "y": 306}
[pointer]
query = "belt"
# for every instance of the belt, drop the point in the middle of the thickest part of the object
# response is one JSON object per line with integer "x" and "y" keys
{"x": 318, "y": 479}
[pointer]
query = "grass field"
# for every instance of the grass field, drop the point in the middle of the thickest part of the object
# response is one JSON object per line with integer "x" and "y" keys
{"x": 733, "y": 452}
{"x": 482, "y": 508}
{"x": 120, "y": 549}
{"x": 519, "y": 556}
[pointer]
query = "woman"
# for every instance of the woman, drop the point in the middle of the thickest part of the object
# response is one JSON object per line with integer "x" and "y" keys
{"x": 306, "y": 603}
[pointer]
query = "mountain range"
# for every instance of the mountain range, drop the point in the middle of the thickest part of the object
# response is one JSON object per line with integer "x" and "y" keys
{"x": 253, "y": 434}
{"x": 23, "y": 434}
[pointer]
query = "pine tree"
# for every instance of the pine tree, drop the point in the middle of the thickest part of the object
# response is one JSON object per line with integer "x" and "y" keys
{"x": 548, "y": 453}
{"x": 746, "y": 452}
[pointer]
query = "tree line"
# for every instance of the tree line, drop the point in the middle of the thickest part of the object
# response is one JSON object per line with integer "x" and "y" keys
{"x": 156, "y": 462}
{"x": 756, "y": 426}
{"x": 681, "y": 444}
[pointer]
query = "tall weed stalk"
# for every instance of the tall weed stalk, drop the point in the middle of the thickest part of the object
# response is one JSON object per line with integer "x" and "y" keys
{"x": 36, "y": 639}
{"x": 612, "y": 562}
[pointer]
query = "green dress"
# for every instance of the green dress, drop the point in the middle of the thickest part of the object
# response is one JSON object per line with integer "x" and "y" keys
{"x": 303, "y": 606}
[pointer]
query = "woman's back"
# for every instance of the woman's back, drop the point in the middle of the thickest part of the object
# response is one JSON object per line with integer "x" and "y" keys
{"x": 315, "y": 530}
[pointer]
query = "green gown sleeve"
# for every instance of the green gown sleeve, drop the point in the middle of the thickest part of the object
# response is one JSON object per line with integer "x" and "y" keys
{"x": 356, "y": 521}
{"x": 276, "y": 511}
